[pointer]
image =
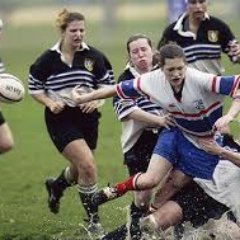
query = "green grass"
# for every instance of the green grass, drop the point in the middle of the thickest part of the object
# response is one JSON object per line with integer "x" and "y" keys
{"x": 23, "y": 210}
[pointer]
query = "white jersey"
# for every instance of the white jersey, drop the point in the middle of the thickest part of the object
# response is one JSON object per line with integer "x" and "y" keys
{"x": 201, "y": 103}
{"x": 132, "y": 129}
{"x": 224, "y": 187}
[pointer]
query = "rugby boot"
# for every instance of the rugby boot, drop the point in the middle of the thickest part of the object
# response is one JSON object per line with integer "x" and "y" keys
{"x": 150, "y": 229}
{"x": 54, "y": 195}
{"x": 148, "y": 225}
{"x": 135, "y": 214}
{"x": 104, "y": 195}
{"x": 94, "y": 228}
{"x": 118, "y": 234}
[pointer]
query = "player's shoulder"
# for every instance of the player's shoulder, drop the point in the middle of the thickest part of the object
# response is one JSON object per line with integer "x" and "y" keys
{"x": 96, "y": 52}
{"x": 193, "y": 71}
{"x": 217, "y": 22}
{"x": 196, "y": 75}
{"x": 45, "y": 57}
{"x": 125, "y": 75}
{"x": 153, "y": 76}
{"x": 170, "y": 27}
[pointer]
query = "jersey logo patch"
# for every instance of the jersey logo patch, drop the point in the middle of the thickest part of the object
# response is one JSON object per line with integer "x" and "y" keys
{"x": 213, "y": 36}
{"x": 88, "y": 64}
{"x": 198, "y": 104}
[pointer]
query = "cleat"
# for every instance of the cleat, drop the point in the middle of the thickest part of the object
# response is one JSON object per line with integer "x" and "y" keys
{"x": 120, "y": 234}
{"x": 133, "y": 226}
{"x": 149, "y": 228}
{"x": 54, "y": 195}
{"x": 95, "y": 230}
{"x": 104, "y": 195}
{"x": 134, "y": 230}
{"x": 148, "y": 225}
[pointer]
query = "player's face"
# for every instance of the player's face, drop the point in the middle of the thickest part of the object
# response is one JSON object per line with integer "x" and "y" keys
{"x": 74, "y": 34}
{"x": 174, "y": 70}
{"x": 141, "y": 55}
{"x": 197, "y": 9}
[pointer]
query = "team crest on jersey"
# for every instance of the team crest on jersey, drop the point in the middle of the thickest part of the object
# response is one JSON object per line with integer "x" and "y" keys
{"x": 88, "y": 64}
{"x": 198, "y": 104}
{"x": 213, "y": 36}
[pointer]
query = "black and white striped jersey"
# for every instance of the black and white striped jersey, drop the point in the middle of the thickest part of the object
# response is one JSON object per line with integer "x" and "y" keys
{"x": 2, "y": 69}
{"x": 132, "y": 129}
{"x": 50, "y": 74}
{"x": 203, "y": 50}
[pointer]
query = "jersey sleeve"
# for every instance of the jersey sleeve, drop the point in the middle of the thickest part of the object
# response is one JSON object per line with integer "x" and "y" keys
{"x": 128, "y": 89}
{"x": 140, "y": 86}
{"x": 226, "y": 36}
{"x": 104, "y": 73}
{"x": 226, "y": 85}
{"x": 167, "y": 36}
{"x": 123, "y": 107}
{"x": 38, "y": 74}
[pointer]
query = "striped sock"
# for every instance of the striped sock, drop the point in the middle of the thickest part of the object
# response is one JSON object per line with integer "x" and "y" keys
{"x": 86, "y": 193}
{"x": 69, "y": 178}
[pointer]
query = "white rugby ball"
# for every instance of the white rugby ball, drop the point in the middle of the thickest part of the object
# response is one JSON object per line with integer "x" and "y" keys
{"x": 11, "y": 88}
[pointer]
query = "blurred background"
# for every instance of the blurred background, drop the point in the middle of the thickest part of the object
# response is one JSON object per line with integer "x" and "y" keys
{"x": 110, "y": 22}
{"x": 29, "y": 29}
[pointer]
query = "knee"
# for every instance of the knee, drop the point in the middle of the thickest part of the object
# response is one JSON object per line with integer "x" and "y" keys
{"x": 143, "y": 198}
{"x": 179, "y": 180}
{"x": 152, "y": 181}
{"x": 6, "y": 145}
{"x": 177, "y": 185}
{"x": 168, "y": 215}
{"x": 88, "y": 168}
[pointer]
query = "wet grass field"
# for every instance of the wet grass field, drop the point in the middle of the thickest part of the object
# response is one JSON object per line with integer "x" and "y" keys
{"x": 23, "y": 209}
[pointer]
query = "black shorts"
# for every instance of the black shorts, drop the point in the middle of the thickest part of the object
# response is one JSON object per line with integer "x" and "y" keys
{"x": 138, "y": 157}
{"x": 2, "y": 119}
{"x": 72, "y": 124}
{"x": 197, "y": 206}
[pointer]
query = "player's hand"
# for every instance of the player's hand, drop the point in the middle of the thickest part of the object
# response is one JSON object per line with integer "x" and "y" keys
{"x": 209, "y": 145}
{"x": 222, "y": 123}
{"x": 77, "y": 93}
{"x": 89, "y": 107}
{"x": 166, "y": 121}
{"x": 81, "y": 94}
{"x": 56, "y": 106}
{"x": 234, "y": 51}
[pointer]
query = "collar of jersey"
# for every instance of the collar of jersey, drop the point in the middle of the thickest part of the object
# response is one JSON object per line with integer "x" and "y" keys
{"x": 179, "y": 26}
{"x": 56, "y": 47}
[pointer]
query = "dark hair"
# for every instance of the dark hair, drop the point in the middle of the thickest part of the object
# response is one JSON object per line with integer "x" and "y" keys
{"x": 170, "y": 51}
{"x": 135, "y": 37}
{"x": 65, "y": 17}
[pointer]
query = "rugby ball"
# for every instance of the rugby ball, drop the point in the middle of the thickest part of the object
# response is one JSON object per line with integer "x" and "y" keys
{"x": 11, "y": 88}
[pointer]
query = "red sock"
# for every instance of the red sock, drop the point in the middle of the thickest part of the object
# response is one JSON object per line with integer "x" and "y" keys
{"x": 127, "y": 185}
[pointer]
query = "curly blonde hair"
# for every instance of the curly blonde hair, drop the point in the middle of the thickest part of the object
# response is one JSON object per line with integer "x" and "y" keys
{"x": 65, "y": 17}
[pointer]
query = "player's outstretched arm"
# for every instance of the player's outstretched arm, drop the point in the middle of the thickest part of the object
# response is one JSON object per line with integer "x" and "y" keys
{"x": 152, "y": 119}
{"x": 233, "y": 111}
{"x": 79, "y": 95}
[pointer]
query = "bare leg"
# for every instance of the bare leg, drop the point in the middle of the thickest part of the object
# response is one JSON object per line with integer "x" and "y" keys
{"x": 158, "y": 168}
{"x": 6, "y": 138}
{"x": 82, "y": 160}
{"x": 81, "y": 157}
{"x": 175, "y": 182}
{"x": 168, "y": 215}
